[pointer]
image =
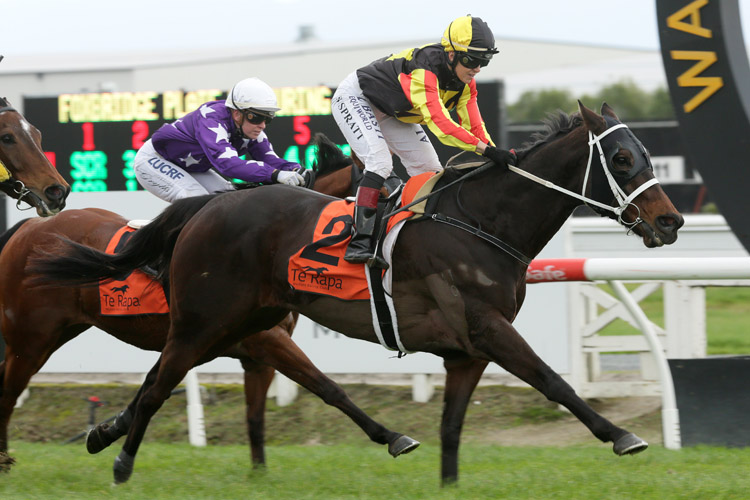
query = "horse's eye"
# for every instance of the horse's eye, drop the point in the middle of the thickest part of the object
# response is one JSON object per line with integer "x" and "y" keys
{"x": 621, "y": 161}
{"x": 7, "y": 139}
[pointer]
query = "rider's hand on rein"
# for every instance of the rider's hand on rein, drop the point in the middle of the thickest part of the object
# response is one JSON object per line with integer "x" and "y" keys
{"x": 501, "y": 157}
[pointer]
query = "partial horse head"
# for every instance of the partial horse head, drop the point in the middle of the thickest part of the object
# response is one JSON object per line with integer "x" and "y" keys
{"x": 335, "y": 172}
{"x": 26, "y": 173}
{"x": 627, "y": 182}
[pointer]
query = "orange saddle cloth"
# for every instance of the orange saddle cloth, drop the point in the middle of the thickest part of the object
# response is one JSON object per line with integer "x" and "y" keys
{"x": 320, "y": 267}
{"x": 137, "y": 294}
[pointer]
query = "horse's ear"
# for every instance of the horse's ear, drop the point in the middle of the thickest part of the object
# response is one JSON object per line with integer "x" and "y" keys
{"x": 608, "y": 111}
{"x": 593, "y": 122}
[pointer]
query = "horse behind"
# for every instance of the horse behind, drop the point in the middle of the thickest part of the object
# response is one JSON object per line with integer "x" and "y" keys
{"x": 458, "y": 277}
{"x": 31, "y": 338}
{"x": 26, "y": 173}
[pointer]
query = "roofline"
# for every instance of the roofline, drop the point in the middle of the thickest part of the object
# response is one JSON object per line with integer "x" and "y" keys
{"x": 127, "y": 61}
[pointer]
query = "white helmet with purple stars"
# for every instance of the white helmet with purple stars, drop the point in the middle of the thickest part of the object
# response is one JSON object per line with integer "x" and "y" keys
{"x": 253, "y": 94}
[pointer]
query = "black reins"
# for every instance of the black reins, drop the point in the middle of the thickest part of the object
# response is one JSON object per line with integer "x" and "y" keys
{"x": 476, "y": 231}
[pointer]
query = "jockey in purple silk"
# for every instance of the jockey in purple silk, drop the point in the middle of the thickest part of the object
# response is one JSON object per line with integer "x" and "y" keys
{"x": 198, "y": 153}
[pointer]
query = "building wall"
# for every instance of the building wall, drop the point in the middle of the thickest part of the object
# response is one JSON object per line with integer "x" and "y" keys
{"x": 312, "y": 63}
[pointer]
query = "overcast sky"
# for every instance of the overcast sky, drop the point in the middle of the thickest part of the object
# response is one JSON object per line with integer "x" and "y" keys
{"x": 65, "y": 26}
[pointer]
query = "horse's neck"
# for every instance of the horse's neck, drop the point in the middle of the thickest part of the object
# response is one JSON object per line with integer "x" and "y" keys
{"x": 523, "y": 213}
{"x": 337, "y": 183}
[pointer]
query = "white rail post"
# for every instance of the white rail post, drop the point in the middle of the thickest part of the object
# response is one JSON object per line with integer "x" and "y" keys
{"x": 422, "y": 388}
{"x": 670, "y": 417}
{"x": 196, "y": 423}
{"x": 284, "y": 388}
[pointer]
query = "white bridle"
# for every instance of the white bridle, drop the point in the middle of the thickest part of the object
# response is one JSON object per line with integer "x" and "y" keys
{"x": 623, "y": 199}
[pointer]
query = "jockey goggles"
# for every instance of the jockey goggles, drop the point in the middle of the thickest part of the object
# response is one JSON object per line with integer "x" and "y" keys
{"x": 470, "y": 62}
{"x": 256, "y": 117}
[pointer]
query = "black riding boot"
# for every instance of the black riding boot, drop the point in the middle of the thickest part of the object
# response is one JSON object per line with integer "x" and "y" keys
{"x": 365, "y": 213}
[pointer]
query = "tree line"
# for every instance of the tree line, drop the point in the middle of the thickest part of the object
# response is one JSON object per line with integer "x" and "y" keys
{"x": 629, "y": 101}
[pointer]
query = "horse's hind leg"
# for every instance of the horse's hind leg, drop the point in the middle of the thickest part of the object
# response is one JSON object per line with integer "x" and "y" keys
{"x": 280, "y": 351}
{"x": 170, "y": 370}
{"x": 258, "y": 378}
{"x": 103, "y": 435}
{"x": 462, "y": 376}
{"x": 496, "y": 337}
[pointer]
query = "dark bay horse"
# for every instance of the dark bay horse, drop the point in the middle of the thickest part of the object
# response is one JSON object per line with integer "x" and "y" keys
{"x": 456, "y": 292}
{"x": 26, "y": 173}
{"x": 37, "y": 322}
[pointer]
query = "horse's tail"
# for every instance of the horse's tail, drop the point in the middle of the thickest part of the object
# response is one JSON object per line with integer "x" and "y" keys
{"x": 152, "y": 245}
{"x": 329, "y": 156}
{"x": 10, "y": 232}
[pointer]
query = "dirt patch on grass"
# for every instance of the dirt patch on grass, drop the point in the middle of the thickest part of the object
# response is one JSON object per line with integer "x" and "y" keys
{"x": 513, "y": 416}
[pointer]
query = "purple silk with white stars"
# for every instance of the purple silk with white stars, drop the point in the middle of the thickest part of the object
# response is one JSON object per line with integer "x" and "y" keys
{"x": 208, "y": 138}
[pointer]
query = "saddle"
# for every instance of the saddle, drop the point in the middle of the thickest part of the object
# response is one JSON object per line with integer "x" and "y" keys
{"x": 136, "y": 294}
{"x": 319, "y": 267}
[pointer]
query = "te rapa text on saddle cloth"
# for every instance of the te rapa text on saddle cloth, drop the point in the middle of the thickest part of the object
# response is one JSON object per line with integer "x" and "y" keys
{"x": 136, "y": 294}
{"x": 320, "y": 267}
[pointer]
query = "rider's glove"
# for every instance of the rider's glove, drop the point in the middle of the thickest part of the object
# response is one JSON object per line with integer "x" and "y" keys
{"x": 308, "y": 177}
{"x": 500, "y": 157}
{"x": 287, "y": 177}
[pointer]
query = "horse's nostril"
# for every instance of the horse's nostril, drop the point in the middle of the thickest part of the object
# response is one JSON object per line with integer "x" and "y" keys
{"x": 669, "y": 222}
{"x": 56, "y": 193}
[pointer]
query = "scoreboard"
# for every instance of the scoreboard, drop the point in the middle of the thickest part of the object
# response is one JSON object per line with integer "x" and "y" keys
{"x": 92, "y": 138}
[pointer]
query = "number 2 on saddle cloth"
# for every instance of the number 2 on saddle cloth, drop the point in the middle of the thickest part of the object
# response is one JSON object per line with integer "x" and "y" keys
{"x": 320, "y": 267}
{"x": 137, "y": 294}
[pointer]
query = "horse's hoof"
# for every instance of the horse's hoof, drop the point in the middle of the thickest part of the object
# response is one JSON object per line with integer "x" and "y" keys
{"x": 94, "y": 441}
{"x": 402, "y": 446}
{"x": 6, "y": 461}
{"x": 629, "y": 444}
{"x": 123, "y": 467}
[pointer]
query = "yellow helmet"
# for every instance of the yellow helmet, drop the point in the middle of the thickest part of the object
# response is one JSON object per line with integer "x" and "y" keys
{"x": 471, "y": 35}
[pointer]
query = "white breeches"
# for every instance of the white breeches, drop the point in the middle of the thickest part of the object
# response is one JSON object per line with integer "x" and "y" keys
{"x": 373, "y": 135}
{"x": 170, "y": 182}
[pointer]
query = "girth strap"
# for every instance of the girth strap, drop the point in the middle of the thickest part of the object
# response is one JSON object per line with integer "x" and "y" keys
{"x": 384, "y": 320}
{"x": 485, "y": 236}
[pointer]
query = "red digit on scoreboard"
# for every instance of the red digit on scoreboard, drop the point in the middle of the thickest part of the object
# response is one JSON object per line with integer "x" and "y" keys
{"x": 52, "y": 157}
{"x": 140, "y": 133}
{"x": 88, "y": 136}
{"x": 302, "y": 135}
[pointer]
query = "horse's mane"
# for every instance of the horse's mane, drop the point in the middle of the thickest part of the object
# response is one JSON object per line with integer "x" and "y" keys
{"x": 555, "y": 124}
{"x": 329, "y": 157}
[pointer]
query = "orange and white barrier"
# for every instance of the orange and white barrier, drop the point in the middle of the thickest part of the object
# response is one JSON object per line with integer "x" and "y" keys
{"x": 601, "y": 269}
{"x": 616, "y": 270}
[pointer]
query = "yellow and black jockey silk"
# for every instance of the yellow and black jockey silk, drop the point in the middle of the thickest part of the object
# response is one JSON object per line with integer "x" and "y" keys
{"x": 419, "y": 86}
{"x": 469, "y": 34}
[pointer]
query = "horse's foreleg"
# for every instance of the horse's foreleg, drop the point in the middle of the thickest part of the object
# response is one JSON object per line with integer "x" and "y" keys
{"x": 279, "y": 351}
{"x": 496, "y": 337}
{"x": 462, "y": 376}
{"x": 17, "y": 370}
{"x": 257, "y": 380}
{"x": 12, "y": 385}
